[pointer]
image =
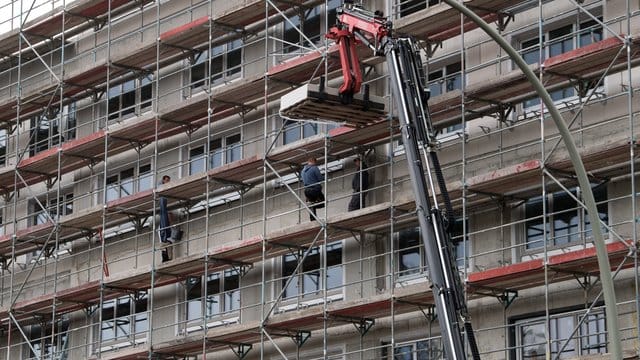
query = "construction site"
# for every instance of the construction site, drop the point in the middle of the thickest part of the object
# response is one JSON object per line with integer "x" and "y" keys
{"x": 118, "y": 117}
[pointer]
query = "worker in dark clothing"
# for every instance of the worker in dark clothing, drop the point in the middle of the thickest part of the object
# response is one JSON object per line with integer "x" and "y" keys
{"x": 165, "y": 224}
{"x": 312, "y": 179}
{"x": 359, "y": 184}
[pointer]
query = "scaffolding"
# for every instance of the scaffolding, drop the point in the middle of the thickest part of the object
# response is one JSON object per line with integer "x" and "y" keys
{"x": 99, "y": 100}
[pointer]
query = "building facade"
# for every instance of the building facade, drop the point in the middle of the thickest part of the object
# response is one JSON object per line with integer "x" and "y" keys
{"x": 99, "y": 100}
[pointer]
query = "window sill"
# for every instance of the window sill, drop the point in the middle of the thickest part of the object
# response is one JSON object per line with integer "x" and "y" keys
{"x": 212, "y": 324}
{"x": 123, "y": 344}
{"x": 309, "y": 303}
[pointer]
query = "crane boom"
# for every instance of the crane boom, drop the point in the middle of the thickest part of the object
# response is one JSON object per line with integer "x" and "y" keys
{"x": 406, "y": 78}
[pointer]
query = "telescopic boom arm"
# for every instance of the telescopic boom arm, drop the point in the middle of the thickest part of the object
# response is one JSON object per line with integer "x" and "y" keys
{"x": 406, "y": 77}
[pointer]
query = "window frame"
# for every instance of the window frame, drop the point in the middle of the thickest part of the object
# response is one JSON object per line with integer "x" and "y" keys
{"x": 584, "y": 332}
{"x": 218, "y": 152}
{"x": 50, "y": 129}
{"x": 583, "y": 226}
{"x": 220, "y": 60}
{"x": 55, "y": 206}
{"x": 137, "y": 313}
{"x": 38, "y": 341}
{"x": 139, "y": 91}
{"x": 403, "y": 8}
{"x": 432, "y": 348}
{"x": 141, "y": 179}
{"x": 228, "y": 298}
{"x": 575, "y": 35}
{"x": 420, "y": 270}
{"x": 297, "y": 46}
{"x": 298, "y": 287}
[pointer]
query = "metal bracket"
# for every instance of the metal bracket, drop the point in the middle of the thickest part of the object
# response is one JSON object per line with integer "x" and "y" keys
{"x": 585, "y": 282}
{"x": 362, "y": 325}
{"x": 507, "y": 298}
{"x": 504, "y": 111}
{"x": 301, "y": 337}
{"x": 430, "y": 313}
{"x": 504, "y": 18}
{"x": 431, "y": 47}
{"x": 241, "y": 350}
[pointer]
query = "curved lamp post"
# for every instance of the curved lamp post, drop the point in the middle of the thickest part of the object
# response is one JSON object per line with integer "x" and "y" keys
{"x": 583, "y": 180}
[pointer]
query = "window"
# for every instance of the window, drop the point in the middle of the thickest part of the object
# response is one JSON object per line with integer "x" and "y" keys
{"x": 296, "y": 130}
{"x": 222, "y": 151}
{"x": 222, "y": 295}
{"x": 461, "y": 246}
{"x": 226, "y": 61}
{"x": 407, "y": 7}
{"x": 123, "y": 98}
{"x": 46, "y": 346}
{"x": 566, "y": 221}
{"x": 411, "y": 258}
{"x": 311, "y": 26}
{"x": 55, "y": 208}
{"x": 308, "y": 280}
{"x": 561, "y": 40}
{"x": 590, "y": 338}
{"x": 3, "y": 146}
{"x": 127, "y": 182}
{"x": 49, "y": 130}
{"x": 447, "y": 78}
{"x": 420, "y": 350}
{"x": 124, "y": 318}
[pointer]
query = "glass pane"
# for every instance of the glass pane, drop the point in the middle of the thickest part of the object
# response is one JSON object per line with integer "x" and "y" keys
{"x": 216, "y": 156}
{"x": 409, "y": 259}
{"x": 600, "y": 195}
{"x": 334, "y": 277}
{"x": 107, "y": 330}
{"x": 561, "y": 40}
{"x": 213, "y": 305}
{"x": 565, "y": 219}
{"x": 309, "y": 129}
{"x": 560, "y": 332}
{"x": 291, "y": 34}
{"x": 234, "y": 148}
{"x": 234, "y": 60}
{"x": 531, "y": 51}
{"x": 146, "y": 94}
{"x": 403, "y": 352}
{"x": 197, "y": 159}
{"x": 145, "y": 179}
{"x": 141, "y": 322}
{"x": 332, "y": 16}
{"x": 291, "y": 131}
{"x": 112, "y": 192}
{"x": 593, "y": 338}
{"x": 198, "y": 74}
{"x": 334, "y": 254}
{"x": 217, "y": 68}
{"x": 289, "y": 263}
{"x": 454, "y": 77}
{"x": 194, "y": 309}
{"x": 532, "y": 341}
{"x": 410, "y": 6}
{"x": 312, "y": 23}
{"x": 535, "y": 231}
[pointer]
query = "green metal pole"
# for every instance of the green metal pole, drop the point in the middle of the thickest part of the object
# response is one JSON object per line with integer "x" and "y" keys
{"x": 583, "y": 180}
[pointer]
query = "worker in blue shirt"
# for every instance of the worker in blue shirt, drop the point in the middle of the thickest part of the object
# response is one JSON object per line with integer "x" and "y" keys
{"x": 165, "y": 224}
{"x": 312, "y": 179}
